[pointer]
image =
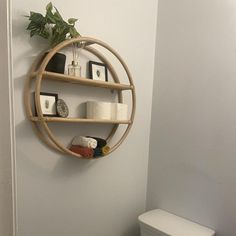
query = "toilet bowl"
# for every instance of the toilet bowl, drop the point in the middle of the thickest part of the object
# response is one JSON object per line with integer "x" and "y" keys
{"x": 161, "y": 223}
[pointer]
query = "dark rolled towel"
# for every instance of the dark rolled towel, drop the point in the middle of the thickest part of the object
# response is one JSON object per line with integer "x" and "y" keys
{"x": 97, "y": 152}
{"x": 100, "y": 142}
{"x": 83, "y": 151}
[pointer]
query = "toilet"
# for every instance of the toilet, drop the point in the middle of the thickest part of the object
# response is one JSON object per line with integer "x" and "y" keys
{"x": 161, "y": 223}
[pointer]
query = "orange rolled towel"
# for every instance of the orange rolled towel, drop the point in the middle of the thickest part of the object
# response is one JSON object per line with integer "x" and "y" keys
{"x": 83, "y": 151}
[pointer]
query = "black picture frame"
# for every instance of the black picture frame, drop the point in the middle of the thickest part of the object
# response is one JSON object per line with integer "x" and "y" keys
{"x": 98, "y": 71}
{"x": 51, "y": 102}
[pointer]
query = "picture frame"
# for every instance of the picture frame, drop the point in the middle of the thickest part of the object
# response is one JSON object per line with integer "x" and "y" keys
{"x": 48, "y": 103}
{"x": 98, "y": 71}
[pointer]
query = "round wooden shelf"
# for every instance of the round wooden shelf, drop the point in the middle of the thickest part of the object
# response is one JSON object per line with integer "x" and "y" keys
{"x": 38, "y": 73}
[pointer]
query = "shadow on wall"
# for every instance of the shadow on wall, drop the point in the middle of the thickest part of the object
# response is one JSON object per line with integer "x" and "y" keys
{"x": 20, "y": 33}
{"x": 132, "y": 231}
{"x": 70, "y": 166}
{"x": 58, "y": 166}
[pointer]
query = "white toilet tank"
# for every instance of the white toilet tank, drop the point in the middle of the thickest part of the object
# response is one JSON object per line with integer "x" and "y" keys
{"x": 161, "y": 223}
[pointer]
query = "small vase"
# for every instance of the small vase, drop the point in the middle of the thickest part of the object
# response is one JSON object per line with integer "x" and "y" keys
{"x": 74, "y": 69}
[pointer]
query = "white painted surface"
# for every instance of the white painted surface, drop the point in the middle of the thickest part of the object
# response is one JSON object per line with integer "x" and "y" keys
{"x": 58, "y": 195}
{"x": 6, "y": 208}
{"x": 161, "y": 221}
{"x": 193, "y": 152}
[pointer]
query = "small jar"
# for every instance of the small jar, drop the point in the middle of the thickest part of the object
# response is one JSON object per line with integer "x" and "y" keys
{"x": 74, "y": 69}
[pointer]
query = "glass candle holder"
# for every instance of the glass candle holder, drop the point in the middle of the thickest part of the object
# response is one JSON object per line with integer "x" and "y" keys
{"x": 74, "y": 69}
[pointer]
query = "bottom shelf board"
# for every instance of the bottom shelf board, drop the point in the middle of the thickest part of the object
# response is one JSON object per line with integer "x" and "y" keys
{"x": 79, "y": 120}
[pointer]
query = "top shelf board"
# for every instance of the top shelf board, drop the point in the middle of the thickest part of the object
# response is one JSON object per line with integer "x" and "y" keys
{"x": 83, "y": 81}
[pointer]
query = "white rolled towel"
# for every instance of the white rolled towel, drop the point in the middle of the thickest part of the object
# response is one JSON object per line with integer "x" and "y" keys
{"x": 84, "y": 141}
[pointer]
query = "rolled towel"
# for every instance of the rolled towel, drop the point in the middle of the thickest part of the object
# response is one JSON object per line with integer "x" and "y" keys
{"x": 83, "y": 151}
{"x": 105, "y": 150}
{"x": 100, "y": 142}
{"x": 84, "y": 142}
{"x": 97, "y": 152}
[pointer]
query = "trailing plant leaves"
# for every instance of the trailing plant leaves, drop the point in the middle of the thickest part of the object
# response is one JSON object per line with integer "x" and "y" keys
{"x": 37, "y": 25}
{"x": 32, "y": 26}
{"x": 72, "y": 21}
{"x": 58, "y": 15}
{"x": 49, "y": 7}
{"x": 36, "y": 17}
{"x": 52, "y": 26}
{"x": 73, "y": 32}
{"x": 50, "y": 18}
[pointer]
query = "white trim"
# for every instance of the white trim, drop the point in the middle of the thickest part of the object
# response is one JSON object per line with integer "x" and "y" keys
{"x": 12, "y": 115}
{"x": 6, "y": 37}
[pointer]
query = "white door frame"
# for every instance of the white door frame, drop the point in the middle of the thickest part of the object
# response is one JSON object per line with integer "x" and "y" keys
{"x": 8, "y": 223}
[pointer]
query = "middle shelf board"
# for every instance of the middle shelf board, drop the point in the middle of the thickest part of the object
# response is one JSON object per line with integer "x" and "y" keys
{"x": 79, "y": 120}
{"x": 83, "y": 81}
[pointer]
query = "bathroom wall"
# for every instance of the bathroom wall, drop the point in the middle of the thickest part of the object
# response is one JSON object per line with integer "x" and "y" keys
{"x": 60, "y": 195}
{"x": 192, "y": 149}
{"x": 6, "y": 206}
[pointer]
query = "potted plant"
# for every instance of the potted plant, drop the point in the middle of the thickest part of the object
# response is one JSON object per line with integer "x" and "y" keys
{"x": 55, "y": 29}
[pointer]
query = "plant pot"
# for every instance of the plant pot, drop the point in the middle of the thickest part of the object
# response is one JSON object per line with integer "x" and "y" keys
{"x": 57, "y": 63}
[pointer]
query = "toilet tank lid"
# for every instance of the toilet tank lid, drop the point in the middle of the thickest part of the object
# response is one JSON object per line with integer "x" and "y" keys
{"x": 173, "y": 225}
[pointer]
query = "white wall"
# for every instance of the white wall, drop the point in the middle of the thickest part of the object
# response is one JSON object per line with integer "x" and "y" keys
{"x": 58, "y": 195}
{"x": 192, "y": 151}
{"x": 6, "y": 207}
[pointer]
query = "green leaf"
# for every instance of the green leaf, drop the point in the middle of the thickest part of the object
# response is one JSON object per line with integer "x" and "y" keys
{"x": 31, "y": 13}
{"x": 32, "y": 33}
{"x": 49, "y": 7}
{"x": 32, "y": 26}
{"x": 58, "y": 15}
{"x": 73, "y": 32}
{"x": 44, "y": 34}
{"x": 72, "y": 21}
{"x": 50, "y": 18}
{"x": 51, "y": 26}
{"x": 57, "y": 38}
{"x": 37, "y": 17}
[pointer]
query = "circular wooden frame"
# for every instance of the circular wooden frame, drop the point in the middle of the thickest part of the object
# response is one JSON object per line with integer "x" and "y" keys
{"x": 42, "y": 128}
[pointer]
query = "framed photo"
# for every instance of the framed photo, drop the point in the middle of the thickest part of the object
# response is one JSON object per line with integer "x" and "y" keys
{"x": 48, "y": 104}
{"x": 98, "y": 71}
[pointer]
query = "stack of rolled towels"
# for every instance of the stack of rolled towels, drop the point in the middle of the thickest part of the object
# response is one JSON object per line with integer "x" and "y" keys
{"x": 89, "y": 147}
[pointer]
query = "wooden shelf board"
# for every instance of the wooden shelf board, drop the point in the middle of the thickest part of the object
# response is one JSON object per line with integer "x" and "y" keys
{"x": 83, "y": 81}
{"x": 79, "y": 120}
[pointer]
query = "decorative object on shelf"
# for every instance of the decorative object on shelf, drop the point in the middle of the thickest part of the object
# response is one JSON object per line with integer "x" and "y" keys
{"x": 57, "y": 63}
{"x": 74, "y": 69}
{"x": 84, "y": 141}
{"x": 105, "y": 150}
{"x": 46, "y": 133}
{"x": 106, "y": 110}
{"x": 101, "y": 151}
{"x": 100, "y": 142}
{"x": 83, "y": 151}
{"x": 62, "y": 108}
{"x": 89, "y": 146}
{"x": 48, "y": 103}
{"x": 98, "y": 110}
{"x": 55, "y": 29}
{"x": 97, "y": 152}
{"x": 119, "y": 111}
{"x": 98, "y": 71}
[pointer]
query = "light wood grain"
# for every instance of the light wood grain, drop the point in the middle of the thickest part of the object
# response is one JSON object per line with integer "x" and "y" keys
{"x": 41, "y": 74}
{"x": 78, "y": 120}
{"x": 83, "y": 81}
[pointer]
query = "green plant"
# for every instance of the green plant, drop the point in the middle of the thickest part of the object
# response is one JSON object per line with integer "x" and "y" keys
{"x": 52, "y": 26}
